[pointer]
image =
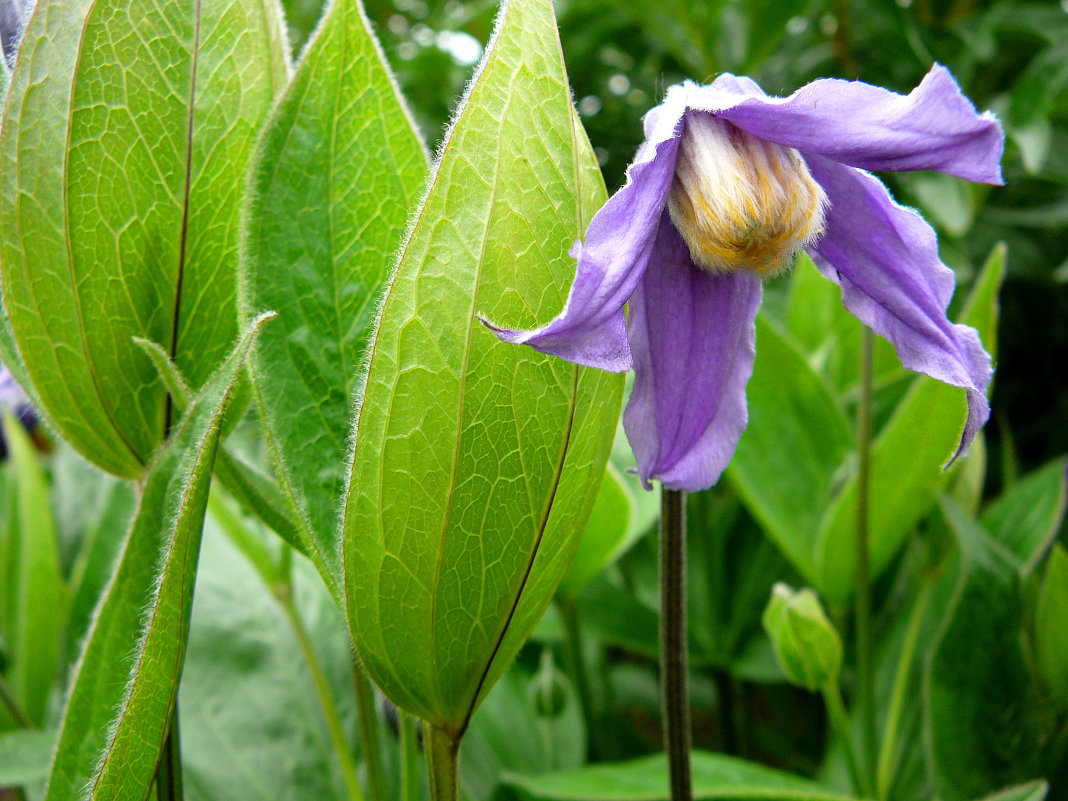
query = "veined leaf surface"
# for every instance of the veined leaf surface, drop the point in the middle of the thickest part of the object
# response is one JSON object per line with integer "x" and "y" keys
{"x": 126, "y": 679}
{"x": 335, "y": 175}
{"x": 126, "y": 134}
{"x": 476, "y": 463}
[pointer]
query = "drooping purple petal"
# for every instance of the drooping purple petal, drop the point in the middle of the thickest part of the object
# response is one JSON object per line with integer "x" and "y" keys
{"x": 934, "y": 127}
{"x": 885, "y": 257}
{"x": 591, "y": 329}
{"x": 693, "y": 339}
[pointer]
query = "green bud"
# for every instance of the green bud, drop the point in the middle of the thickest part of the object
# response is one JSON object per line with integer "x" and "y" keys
{"x": 806, "y": 644}
{"x": 1051, "y": 628}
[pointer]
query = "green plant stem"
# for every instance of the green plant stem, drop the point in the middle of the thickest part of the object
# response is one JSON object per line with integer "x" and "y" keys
{"x": 862, "y": 603}
{"x": 169, "y": 770}
{"x": 442, "y": 763}
{"x": 12, "y": 705}
{"x": 888, "y": 754}
{"x": 832, "y": 697}
{"x": 372, "y": 747}
{"x": 576, "y": 658}
{"x": 674, "y": 661}
{"x": 326, "y": 697}
{"x": 409, "y": 758}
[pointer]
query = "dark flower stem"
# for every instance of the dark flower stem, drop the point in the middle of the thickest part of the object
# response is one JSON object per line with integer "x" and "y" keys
{"x": 674, "y": 662}
{"x": 865, "y": 667}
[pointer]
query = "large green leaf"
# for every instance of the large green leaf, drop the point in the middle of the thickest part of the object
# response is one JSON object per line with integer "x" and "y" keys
{"x": 336, "y": 172}
{"x": 125, "y": 139}
{"x": 982, "y": 715}
{"x": 126, "y": 678}
{"x": 715, "y": 776}
{"x": 476, "y": 463}
{"x": 907, "y": 460}
{"x": 40, "y": 594}
{"x": 25, "y": 753}
{"x": 1027, "y": 517}
{"x": 792, "y": 449}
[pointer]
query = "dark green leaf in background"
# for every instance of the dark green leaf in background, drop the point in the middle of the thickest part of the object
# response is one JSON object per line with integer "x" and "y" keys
{"x": 125, "y": 682}
{"x": 476, "y": 463}
{"x": 1027, "y": 517}
{"x": 1051, "y": 628}
{"x": 715, "y": 776}
{"x": 126, "y": 224}
{"x": 981, "y": 712}
{"x": 335, "y": 175}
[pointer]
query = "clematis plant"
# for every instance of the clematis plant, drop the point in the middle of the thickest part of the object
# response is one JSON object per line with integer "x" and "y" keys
{"x": 729, "y": 184}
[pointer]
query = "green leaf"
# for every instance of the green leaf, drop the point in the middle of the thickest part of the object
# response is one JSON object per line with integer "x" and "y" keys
{"x": 25, "y": 754}
{"x": 258, "y": 493}
{"x": 796, "y": 440}
{"x": 605, "y": 536}
{"x": 336, "y": 172}
{"x": 1051, "y": 627}
{"x": 982, "y": 717}
{"x": 125, "y": 140}
{"x": 1027, "y": 517}
{"x": 1032, "y": 791}
{"x": 41, "y": 597}
{"x": 133, "y": 654}
{"x": 715, "y": 776}
{"x": 907, "y": 460}
{"x": 476, "y": 462}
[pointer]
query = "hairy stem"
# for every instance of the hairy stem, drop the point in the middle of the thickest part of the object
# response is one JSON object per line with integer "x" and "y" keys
{"x": 862, "y": 603}
{"x": 372, "y": 748}
{"x": 674, "y": 662}
{"x": 442, "y": 763}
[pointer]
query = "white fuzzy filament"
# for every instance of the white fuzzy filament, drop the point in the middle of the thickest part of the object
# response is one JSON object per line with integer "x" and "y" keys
{"x": 740, "y": 202}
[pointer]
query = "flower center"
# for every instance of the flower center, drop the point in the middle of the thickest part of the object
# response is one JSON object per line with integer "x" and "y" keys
{"x": 739, "y": 202}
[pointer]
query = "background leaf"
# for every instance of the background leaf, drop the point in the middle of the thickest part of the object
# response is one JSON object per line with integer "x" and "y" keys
{"x": 336, "y": 172}
{"x": 476, "y": 463}
{"x": 715, "y": 776}
{"x": 40, "y": 593}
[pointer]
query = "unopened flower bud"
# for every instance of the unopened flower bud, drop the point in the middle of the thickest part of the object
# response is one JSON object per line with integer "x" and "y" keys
{"x": 806, "y": 644}
{"x": 740, "y": 202}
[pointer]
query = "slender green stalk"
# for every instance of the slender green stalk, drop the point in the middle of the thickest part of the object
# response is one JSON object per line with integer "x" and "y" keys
{"x": 862, "y": 608}
{"x": 12, "y": 705}
{"x": 372, "y": 747}
{"x": 576, "y": 658}
{"x": 442, "y": 763}
{"x": 409, "y": 758}
{"x": 169, "y": 770}
{"x": 832, "y": 697}
{"x": 326, "y": 698}
{"x": 674, "y": 661}
{"x": 889, "y": 758}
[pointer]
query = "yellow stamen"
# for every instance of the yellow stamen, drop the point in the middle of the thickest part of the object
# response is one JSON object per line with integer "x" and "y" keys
{"x": 739, "y": 202}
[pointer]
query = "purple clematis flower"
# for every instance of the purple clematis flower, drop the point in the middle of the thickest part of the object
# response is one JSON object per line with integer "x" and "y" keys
{"x": 729, "y": 184}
